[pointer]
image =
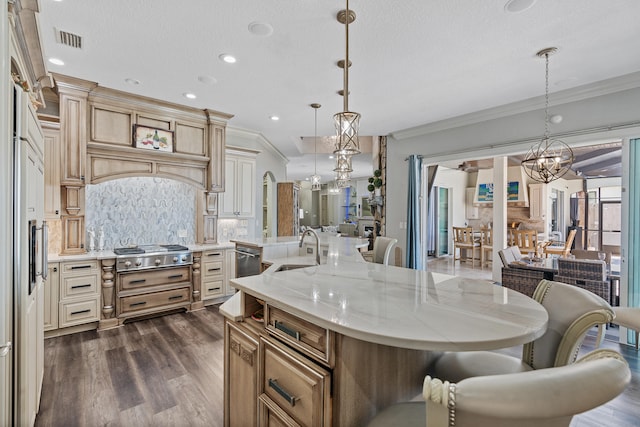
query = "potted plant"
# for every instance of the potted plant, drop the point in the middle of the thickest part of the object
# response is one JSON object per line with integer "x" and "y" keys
{"x": 375, "y": 183}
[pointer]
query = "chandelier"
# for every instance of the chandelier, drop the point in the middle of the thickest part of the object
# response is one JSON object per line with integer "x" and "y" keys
{"x": 550, "y": 158}
{"x": 315, "y": 178}
{"x": 347, "y": 122}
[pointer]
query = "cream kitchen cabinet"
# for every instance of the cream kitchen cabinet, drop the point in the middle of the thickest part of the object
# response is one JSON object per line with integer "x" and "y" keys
{"x": 51, "y": 170}
{"x": 538, "y": 201}
{"x": 79, "y": 302}
{"x": 239, "y": 197}
{"x": 213, "y": 274}
{"x": 229, "y": 271}
{"x": 51, "y": 297}
{"x": 471, "y": 211}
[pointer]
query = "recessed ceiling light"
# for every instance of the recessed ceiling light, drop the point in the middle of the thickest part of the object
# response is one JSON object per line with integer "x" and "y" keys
{"x": 274, "y": 118}
{"x": 56, "y": 61}
{"x": 133, "y": 82}
{"x": 209, "y": 80}
{"x": 331, "y": 156}
{"x": 515, "y": 6}
{"x": 229, "y": 59}
{"x": 189, "y": 95}
{"x": 260, "y": 29}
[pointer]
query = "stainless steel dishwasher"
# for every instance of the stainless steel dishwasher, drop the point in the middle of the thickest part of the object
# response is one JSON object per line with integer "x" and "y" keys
{"x": 248, "y": 261}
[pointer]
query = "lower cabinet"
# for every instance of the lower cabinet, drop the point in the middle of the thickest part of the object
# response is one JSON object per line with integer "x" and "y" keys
{"x": 218, "y": 267}
{"x": 79, "y": 293}
{"x": 268, "y": 381}
{"x": 51, "y": 298}
{"x": 240, "y": 375}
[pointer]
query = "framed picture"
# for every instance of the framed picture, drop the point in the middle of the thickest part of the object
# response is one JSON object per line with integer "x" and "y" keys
{"x": 152, "y": 138}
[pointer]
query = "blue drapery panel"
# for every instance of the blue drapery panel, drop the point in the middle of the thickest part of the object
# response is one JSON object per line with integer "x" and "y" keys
{"x": 633, "y": 260}
{"x": 414, "y": 251}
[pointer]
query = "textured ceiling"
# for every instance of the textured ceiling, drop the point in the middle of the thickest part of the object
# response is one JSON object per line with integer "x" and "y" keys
{"x": 414, "y": 61}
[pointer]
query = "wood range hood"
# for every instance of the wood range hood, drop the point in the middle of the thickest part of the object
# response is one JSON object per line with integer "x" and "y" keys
{"x": 516, "y": 189}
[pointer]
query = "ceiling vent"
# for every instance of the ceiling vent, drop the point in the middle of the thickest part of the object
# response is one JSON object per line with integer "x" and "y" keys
{"x": 69, "y": 39}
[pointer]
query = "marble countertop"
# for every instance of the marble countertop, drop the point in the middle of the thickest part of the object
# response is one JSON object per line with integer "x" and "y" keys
{"x": 397, "y": 306}
{"x": 194, "y": 247}
{"x": 325, "y": 238}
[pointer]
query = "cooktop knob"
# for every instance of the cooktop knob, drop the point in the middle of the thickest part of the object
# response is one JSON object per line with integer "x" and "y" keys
{"x": 158, "y": 261}
{"x": 138, "y": 263}
{"x": 175, "y": 259}
{"x": 127, "y": 264}
{"x": 184, "y": 257}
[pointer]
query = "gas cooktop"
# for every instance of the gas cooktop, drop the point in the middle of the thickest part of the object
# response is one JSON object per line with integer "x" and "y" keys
{"x": 142, "y": 249}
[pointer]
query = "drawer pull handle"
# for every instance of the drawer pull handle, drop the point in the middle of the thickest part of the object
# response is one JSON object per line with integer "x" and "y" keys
{"x": 73, "y": 313}
{"x": 136, "y": 304}
{"x": 81, "y": 286}
{"x": 213, "y": 289}
{"x": 282, "y": 392}
{"x": 176, "y": 276}
{"x": 293, "y": 333}
{"x": 175, "y": 297}
{"x": 78, "y": 267}
{"x": 214, "y": 254}
{"x": 135, "y": 282}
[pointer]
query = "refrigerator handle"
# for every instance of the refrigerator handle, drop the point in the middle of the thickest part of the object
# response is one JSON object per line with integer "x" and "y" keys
{"x": 45, "y": 250}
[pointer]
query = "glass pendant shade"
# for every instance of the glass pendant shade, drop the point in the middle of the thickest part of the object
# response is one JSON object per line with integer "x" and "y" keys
{"x": 347, "y": 126}
{"x": 548, "y": 160}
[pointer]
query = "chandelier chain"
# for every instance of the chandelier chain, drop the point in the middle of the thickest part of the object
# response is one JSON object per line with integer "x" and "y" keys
{"x": 546, "y": 99}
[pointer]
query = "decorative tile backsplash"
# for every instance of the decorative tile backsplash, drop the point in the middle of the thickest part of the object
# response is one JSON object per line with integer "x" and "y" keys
{"x": 232, "y": 229}
{"x": 141, "y": 210}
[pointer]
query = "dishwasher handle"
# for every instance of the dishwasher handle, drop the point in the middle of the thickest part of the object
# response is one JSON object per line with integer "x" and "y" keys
{"x": 247, "y": 253}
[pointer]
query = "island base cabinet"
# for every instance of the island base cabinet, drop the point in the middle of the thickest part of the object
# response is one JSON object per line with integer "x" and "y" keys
{"x": 240, "y": 376}
{"x": 300, "y": 387}
{"x": 272, "y": 415}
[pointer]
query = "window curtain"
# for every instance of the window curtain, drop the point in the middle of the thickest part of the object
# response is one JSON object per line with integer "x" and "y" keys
{"x": 414, "y": 251}
{"x": 634, "y": 229}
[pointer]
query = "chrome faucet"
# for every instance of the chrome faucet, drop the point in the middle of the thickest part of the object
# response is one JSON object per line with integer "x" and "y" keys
{"x": 304, "y": 233}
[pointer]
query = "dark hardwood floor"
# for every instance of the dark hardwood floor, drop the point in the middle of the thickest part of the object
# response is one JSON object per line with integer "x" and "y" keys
{"x": 168, "y": 371}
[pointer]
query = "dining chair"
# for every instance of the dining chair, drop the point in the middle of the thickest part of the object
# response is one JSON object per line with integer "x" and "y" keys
{"x": 509, "y": 255}
{"x": 547, "y": 397}
{"x": 589, "y": 274}
{"x": 572, "y": 312}
{"x": 486, "y": 245}
{"x": 464, "y": 241}
{"x": 525, "y": 240}
{"x": 382, "y": 248}
{"x": 551, "y": 249}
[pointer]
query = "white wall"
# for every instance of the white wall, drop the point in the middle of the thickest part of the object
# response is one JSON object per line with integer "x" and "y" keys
{"x": 472, "y": 137}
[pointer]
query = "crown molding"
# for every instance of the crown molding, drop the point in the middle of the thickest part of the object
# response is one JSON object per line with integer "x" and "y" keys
{"x": 258, "y": 137}
{"x": 580, "y": 93}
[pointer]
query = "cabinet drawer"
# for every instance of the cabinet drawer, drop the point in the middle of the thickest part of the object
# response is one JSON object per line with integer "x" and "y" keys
{"x": 295, "y": 384}
{"x": 142, "y": 279}
{"x": 77, "y": 313}
{"x": 213, "y": 288}
{"x": 79, "y": 267}
{"x": 273, "y": 416}
{"x": 306, "y": 336}
{"x": 76, "y": 286}
{"x": 212, "y": 269}
{"x": 213, "y": 255}
{"x": 156, "y": 299}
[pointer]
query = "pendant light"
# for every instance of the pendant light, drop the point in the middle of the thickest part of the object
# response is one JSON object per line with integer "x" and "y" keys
{"x": 315, "y": 178}
{"x": 550, "y": 158}
{"x": 347, "y": 122}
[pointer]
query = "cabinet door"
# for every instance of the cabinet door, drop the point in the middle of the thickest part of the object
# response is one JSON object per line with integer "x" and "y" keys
{"x": 472, "y": 212}
{"x": 51, "y": 288}
{"x": 245, "y": 188}
{"x": 240, "y": 377}
{"x": 51, "y": 173}
{"x": 228, "y": 200}
{"x": 537, "y": 201}
{"x": 229, "y": 271}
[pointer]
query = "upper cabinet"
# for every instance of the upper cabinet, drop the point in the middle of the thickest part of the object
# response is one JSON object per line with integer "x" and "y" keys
{"x": 471, "y": 211}
{"x": 239, "y": 197}
{"x": 538, "y": 201}
{"x": 51, "y": 170}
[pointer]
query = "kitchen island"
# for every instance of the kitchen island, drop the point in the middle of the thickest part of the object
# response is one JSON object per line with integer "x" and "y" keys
{"x": 332, "y": 344}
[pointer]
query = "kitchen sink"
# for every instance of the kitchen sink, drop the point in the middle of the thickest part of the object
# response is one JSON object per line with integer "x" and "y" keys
{"x": 287, "y": 267}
